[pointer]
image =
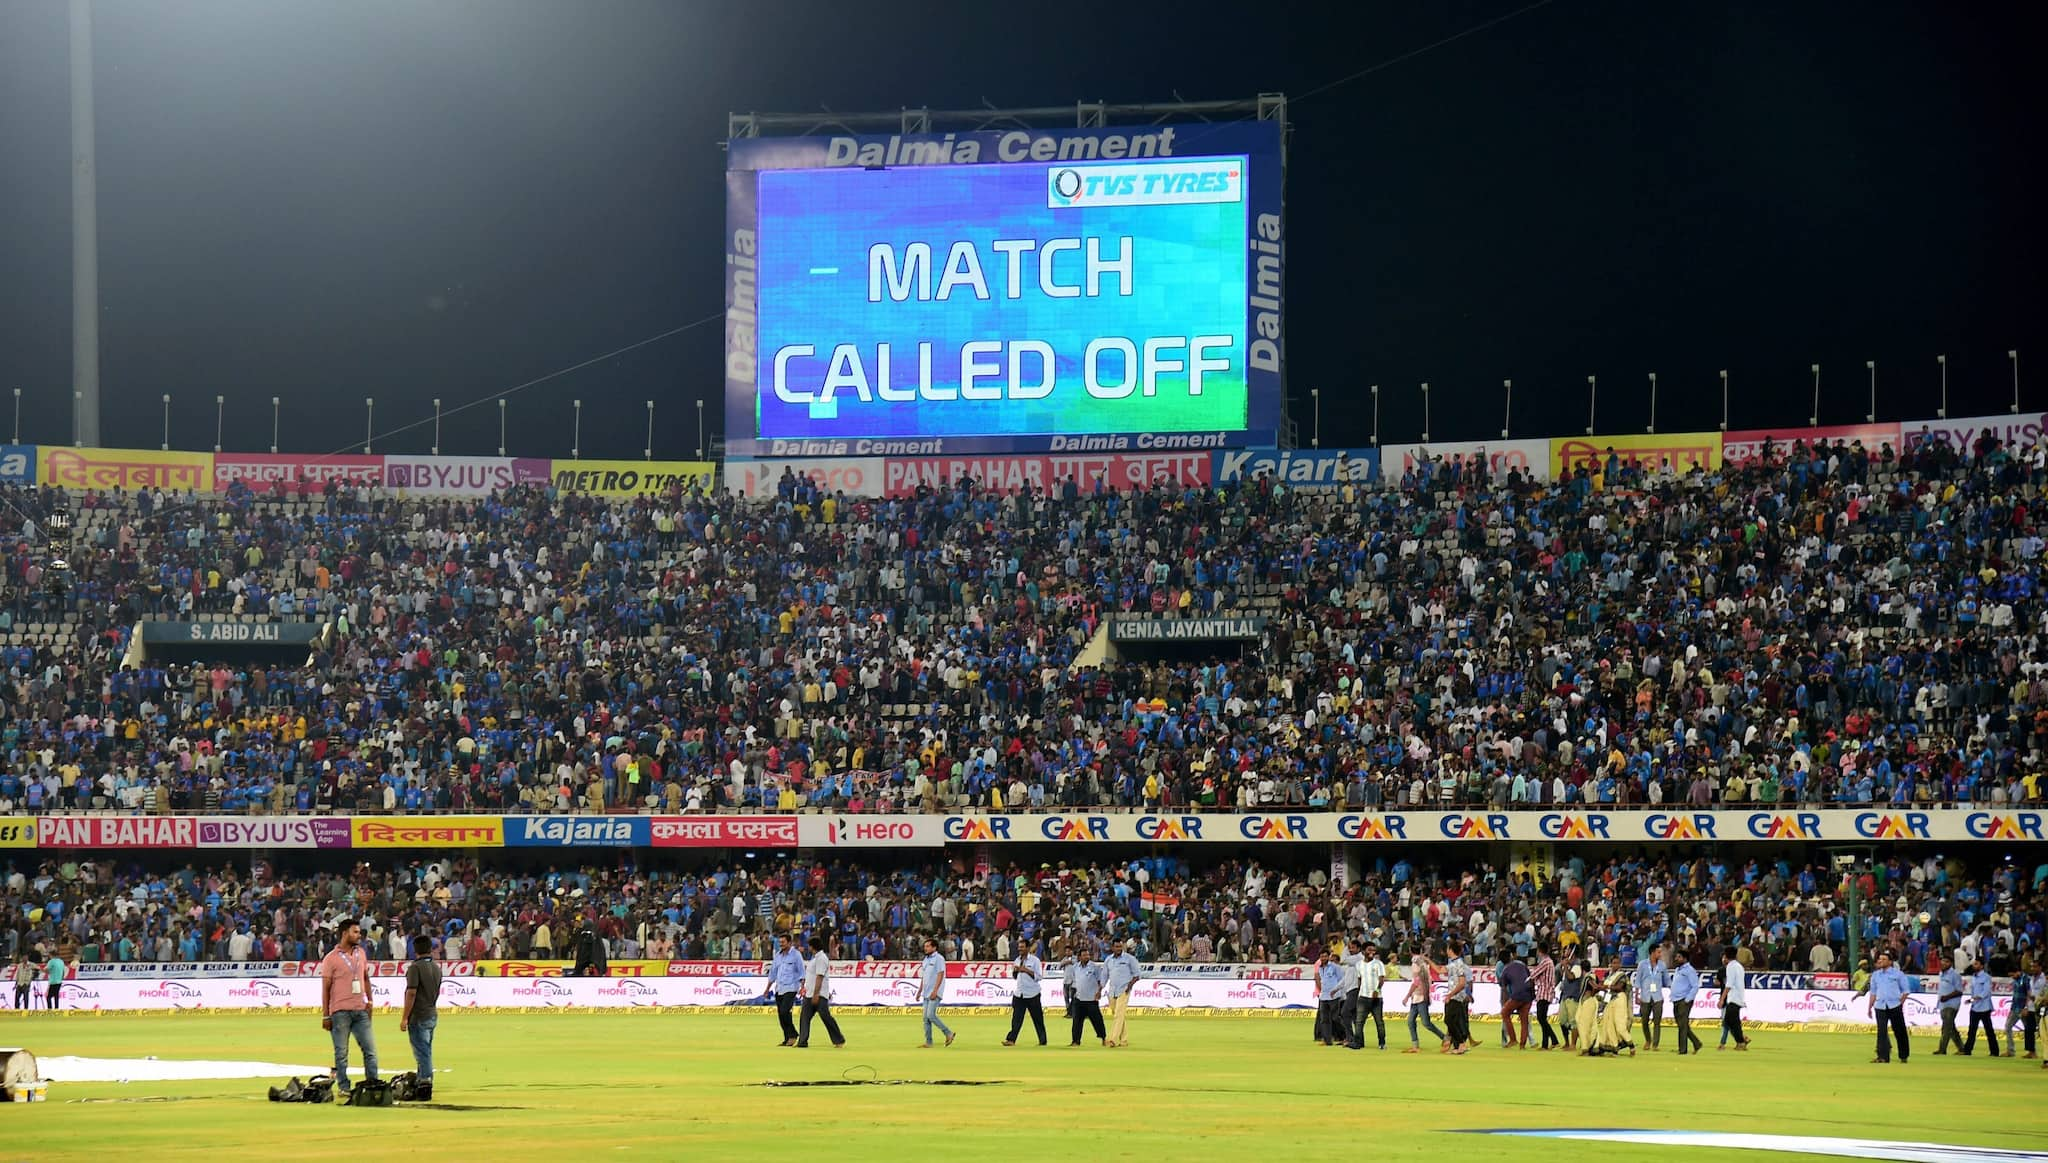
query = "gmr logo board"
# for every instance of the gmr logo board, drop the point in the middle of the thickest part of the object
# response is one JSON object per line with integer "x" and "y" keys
{"x": 2005, "y": 825}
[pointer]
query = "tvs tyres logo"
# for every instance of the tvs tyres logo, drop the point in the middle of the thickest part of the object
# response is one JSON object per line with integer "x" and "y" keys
{"x": 180, "y": 995}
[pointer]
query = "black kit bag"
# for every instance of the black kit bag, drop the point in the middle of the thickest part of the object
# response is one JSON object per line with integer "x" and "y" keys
{"x": 370, "y": 1092}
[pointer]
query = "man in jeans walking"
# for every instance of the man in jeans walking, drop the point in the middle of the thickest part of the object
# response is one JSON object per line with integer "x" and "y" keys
{"x": 345, "y": 1002}
{"x": 422, "y": 1012}
{"x": 1421, "y": 975}
{"x": 931, "y": 990}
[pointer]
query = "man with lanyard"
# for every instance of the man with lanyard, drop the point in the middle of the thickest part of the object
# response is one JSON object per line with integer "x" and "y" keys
{"x": 1123, "y": 977}
{"x": 1330, "y": 1001}
{"x": 422, "y": 1011}
{"x": 785, "y": 978}
{"x": 346, "y": 1002}
{"x": 1951, "y": 1000}
{"x": 1734, "y": 995}
{"x": 1027, "y": 977}
{"x": 1086, "y": 999}
{"x": 1980, "y": 1008}
{"x": 931, "y": 990}
{"x": 1458, "y": 1002}
{"x": 1649, "y": 984}
{"x": 817, "y": 990}
{"x": 24, "y": 979}
{"x": 1372, "y": 977}
{"x": 1685, "y": 987}
{"x": 1889, "y": 988}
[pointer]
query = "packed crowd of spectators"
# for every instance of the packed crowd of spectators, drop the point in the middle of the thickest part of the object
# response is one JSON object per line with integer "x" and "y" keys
{"x": 1826, "y": 625}
{"x": 1779, "y": 915}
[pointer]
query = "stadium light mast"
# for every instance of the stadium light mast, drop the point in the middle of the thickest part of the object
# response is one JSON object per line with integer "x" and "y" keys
{"x": 85, "y": 237}
{"x": 1508, "y": 410}
{"x": 1592, "y": 401}
{"x": 1652, "y": 429}
{"x": 369, "y": 422}
{"x": 2013, "y": 355}
{"x": 1724, "y": 399}
{"x": 700, "y": 430}
{"x": 17, "y": 415}
{"x": 1425, "y": 411}
{"x": 647, "y": 452}
{"x": 576, "y": 440}
{"x": 1813, "y": 417}
{"x": 1315, "y": 432}
{"x": 501, "y": 427}
{"x": 220, "y": 416}
{"x": 167, "y": 422}
{"x": 1870, "y": 417}
{"x": 274, "y": 403}
{"x": 1942, "y": 412}
{"x": 437, "y": 426}
{"x": 1375, "y": 415}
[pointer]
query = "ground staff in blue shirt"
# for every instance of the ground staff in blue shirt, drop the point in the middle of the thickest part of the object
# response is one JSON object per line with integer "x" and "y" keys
{"x": 1330, "y": 1029}
{"x": 1951, "y": 1004}
{"x": 1889, "y": 988}
{"x": 785, "y": 977}
{"x": 1123, "y": 977}
{"x": 1980, "y": 1009}
{"x": 1027, "y": 974}
{"x": 1685, "y": 987}
{"x": 1086, "y": 997}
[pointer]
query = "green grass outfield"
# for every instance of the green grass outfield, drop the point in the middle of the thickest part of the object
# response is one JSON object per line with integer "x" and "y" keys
{"x": 653, "y": 1084}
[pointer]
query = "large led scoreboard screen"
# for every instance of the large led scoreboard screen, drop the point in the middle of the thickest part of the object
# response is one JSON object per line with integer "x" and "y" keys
{"x": 1010, "y": 290}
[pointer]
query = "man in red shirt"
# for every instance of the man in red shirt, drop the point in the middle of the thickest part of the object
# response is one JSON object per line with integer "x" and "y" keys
{"x": 345, "y": 1002}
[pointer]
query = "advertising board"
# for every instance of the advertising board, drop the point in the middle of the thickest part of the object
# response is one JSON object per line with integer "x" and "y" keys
{"x": 1098, "y": 289}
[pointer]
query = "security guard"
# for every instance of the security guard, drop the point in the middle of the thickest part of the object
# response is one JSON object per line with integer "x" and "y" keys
{"x": 1085, "y": 1000}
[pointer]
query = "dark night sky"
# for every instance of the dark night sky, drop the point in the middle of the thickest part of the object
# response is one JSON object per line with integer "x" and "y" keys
{"x": 404, "y": 199}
